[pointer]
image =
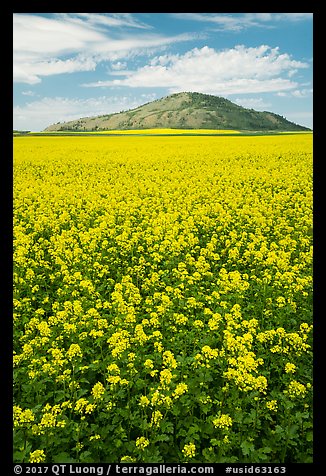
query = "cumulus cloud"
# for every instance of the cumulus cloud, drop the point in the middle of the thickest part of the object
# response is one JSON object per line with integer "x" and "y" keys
{"x": 66, "y": 43}
{"x": 37, "y": 115}
{"x": 233, "y": 71}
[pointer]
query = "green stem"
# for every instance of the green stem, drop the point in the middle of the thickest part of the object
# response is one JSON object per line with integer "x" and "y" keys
{"x": 256, "y": 415}
{"x": 285, "y": 447}
{"x": 25, "y": 442}
{"x": 219, "y": 453}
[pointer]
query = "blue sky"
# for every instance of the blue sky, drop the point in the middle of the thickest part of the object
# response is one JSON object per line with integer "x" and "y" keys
{"x": 72, "y": 65}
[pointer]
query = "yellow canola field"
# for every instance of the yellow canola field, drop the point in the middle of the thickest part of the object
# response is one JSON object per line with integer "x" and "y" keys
{"x": 163, "y": 299}
{"x": 171, "y": 131}
{"x": 152, "y": 132}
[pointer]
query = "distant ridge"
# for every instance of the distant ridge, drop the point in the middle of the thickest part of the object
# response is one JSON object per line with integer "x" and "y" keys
{"x": 184, "y": 111}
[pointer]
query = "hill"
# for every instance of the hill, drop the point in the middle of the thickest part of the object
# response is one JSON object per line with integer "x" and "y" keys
{"x": 184, "y": 111}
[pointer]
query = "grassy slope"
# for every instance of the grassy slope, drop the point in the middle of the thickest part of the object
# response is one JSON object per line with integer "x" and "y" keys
{"x": 183, "y": 111}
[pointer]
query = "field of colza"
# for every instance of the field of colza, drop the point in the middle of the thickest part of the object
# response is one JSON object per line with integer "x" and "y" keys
{"x": 163, "y": 299}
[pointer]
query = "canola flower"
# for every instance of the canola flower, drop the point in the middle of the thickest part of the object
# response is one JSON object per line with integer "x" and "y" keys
{"x": 22, "y": 417}
{"x": 156, "y": 418}
{"x": 74, "y": 351}
{"x": 290, "y": 368}
{"x": 189, "y": 450}
{"x": 142, "y": 443}
{"x": 295, "y": 389}
{"x": 272, "y": 405}
{"x": 98, "y": 391}
{"x": 223, "y": 421}
{"x": 163, "y": 285}
{"x": 37, "y": 456}
{"x": 180, "y": 389}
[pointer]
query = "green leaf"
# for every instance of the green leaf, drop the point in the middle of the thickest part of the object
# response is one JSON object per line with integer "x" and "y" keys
{"x": 167, "y": 427}
{"x": 193, "y": 430}
{"x": 63, "y": 458}
{"x": 215, "y": 442}
{"x": 293, "y": 430}
{"x": 247, "y": 447}
{"x": 18, "y": 456}
{"x": 279, "y": 429}
{"x": 229, "y": 459}
{"x": 86, "y": 457}
{"x": 309, "y": 436}
{"x": 182, "y": 432}
{"x": 161, "y": 438}
{"x": 266, "y": 449}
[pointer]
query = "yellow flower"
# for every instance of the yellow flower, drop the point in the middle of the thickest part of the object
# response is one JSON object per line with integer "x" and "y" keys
{"x": 198, "y": 324}
{"x": 142, "y": 443}
{"x": 224, "y": 421}
{"x": 290, "y": 368}
{"x": 144, "y": 401}
{"x": 22, "y": 417}
{"x": 295, "y": 389}
{"x": 158, "y": 346}
{"x": 179, "y": 390}
{"x": 127, "y": 459}
{"x": 148, "y": 364}
{"x": 139, "y": 255}
{"x": 74, "y": 351}
{"x": 165, "y": 377}
{"x": 169, "y": 360}
{"x": 44, "y": 329}
{"x": 119, "y": 342}
{"x": 272, "y": 405}
{"x": 214, "y": 322}
{"x": 90, "y": 408}
{"x": 98, "y": 391}
{"x": 113, "y": 379}
{"x": 80, "y": 405}
{"x": 189, "y": 450}
{"x": 37, "y": 456}
{"x": 113, "y": 369}
{"x": 209, "y": 353}
{"x": 180, "y": 319}
{"x": 156, "y": 418}
{"x": 281, "y": 301}
{"x": 48, "y": 420}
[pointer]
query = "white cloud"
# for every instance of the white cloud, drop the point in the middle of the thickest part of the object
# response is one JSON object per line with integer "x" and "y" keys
{"x": 66, "y": 43}
{"x": 220, "y": 20}
{"x": 233, "y": 71}
{"x": 28, "y": 93}
{"x": 119, "y": 65}
{"x": 111, "y": 20}
{"x": 30, "y": 72}
{"x": 243, "y": 21}
{"x": 297, "y": 93}
{"x": 301, "y": 93}
{"x": 253, "y": 103}
{"x": 37, "y": 115}
{"x": 39, "y": 36}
